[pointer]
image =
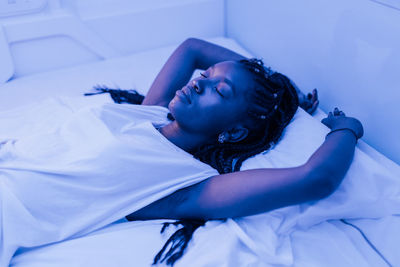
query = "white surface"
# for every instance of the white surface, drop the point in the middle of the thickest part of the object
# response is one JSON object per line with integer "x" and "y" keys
{"x": 7, "y": 65}
{"x": 302, "y": 235}
{"x": 16, "y": 7}
{"x": 346, "y": 49}
{"x": 71, "y": 32}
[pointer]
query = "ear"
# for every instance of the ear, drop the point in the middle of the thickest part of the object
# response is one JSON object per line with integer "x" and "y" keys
{"x": 237, "y": 134}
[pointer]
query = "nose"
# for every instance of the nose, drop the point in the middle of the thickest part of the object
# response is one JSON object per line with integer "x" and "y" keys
{"x": 198, "y": 86}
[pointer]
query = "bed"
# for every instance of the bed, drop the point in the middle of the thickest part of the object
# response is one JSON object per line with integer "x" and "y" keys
{"x": 358, "y": 225}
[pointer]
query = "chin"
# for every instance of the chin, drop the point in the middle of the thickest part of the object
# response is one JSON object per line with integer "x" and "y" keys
{"x": 174, "y": 108}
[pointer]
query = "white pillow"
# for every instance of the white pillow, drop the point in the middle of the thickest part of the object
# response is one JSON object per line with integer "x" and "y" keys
{"x": 368, "y": 190}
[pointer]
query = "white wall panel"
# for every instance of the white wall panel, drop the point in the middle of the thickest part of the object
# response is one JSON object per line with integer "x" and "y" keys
{"x": 66, "y": 33}
{"x": 160, "y": 25}
{"x": 348, "y": 49}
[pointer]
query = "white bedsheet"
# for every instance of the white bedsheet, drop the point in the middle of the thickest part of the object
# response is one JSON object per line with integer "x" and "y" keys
{"x": 84, "y": 169}
{"x": 303, "y": 235}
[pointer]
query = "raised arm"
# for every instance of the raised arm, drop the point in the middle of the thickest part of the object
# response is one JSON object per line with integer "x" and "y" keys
{"x": 195, "y": 54}
{"x": 192, "y": 54}
{"x": 254, "y": 191}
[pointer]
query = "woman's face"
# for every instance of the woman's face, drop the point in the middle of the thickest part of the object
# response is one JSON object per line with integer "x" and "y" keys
{"x": 214, "y": 102}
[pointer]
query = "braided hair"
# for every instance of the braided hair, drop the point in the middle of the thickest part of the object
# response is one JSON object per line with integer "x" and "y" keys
{"x": 273, "y": 101}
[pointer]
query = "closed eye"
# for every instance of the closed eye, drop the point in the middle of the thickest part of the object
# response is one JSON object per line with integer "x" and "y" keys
{"x": 219, "y": 92}
{"x": 216, "y": 88}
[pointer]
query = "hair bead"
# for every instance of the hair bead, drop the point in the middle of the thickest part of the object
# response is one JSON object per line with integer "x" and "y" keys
{"x": 221, "y": 138}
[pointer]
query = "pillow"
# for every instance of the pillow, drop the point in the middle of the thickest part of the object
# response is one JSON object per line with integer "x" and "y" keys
{"x": 368, "y": 190}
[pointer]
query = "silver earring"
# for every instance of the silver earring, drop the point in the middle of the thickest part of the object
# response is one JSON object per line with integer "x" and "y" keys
{"x": 221, "y": 138}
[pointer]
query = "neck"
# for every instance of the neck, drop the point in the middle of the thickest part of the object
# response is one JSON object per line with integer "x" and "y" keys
{"x": 181, "y": 138}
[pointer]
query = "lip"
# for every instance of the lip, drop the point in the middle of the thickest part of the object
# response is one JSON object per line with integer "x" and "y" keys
{"x": 185, "y": 94}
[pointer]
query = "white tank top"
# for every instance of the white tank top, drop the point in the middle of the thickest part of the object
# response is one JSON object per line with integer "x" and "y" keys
{"x": 83, "y": 169}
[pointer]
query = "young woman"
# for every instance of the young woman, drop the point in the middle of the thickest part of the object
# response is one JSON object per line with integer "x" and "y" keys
{"x": 235, "y": 110}
{"x": 102, "y": 163}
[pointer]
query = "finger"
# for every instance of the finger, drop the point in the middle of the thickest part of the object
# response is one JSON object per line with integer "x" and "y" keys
{"x": 314, "y": 107}
{"x": 306, "y": 104}
{"x": 314, "y": 95}
{"x": 336, "y": 111}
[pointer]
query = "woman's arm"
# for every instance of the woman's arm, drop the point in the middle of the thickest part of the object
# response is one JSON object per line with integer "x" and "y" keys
{"x": 254, "y": 191}
{"x": 192, "y": 54}
{"x": 195, "y": 54}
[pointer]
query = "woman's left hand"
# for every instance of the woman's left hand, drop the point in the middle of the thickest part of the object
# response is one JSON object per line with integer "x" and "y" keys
{"x": 308, "y": 102}
{"x": 337, "y": 120}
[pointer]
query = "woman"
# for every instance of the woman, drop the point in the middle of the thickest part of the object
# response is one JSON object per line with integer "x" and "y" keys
{"x": 233, "y": 111}
{"x": 82, "y": 175}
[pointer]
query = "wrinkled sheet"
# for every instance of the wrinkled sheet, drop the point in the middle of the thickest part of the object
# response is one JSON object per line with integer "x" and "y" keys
{"x": 84, "y": 169}
{"x": 311, "y": 234}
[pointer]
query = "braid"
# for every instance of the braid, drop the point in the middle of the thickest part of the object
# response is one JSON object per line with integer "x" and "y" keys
{"x": 119, "y": 96}
{"x": 178, "y": 241}
{"x": 273, "y": 101}
{"x": 122, "y": 96}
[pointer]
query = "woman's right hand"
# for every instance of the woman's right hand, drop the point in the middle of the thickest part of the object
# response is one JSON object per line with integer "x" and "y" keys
{"x": 308, "y": 102}
{"x": 337, "y": 120}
